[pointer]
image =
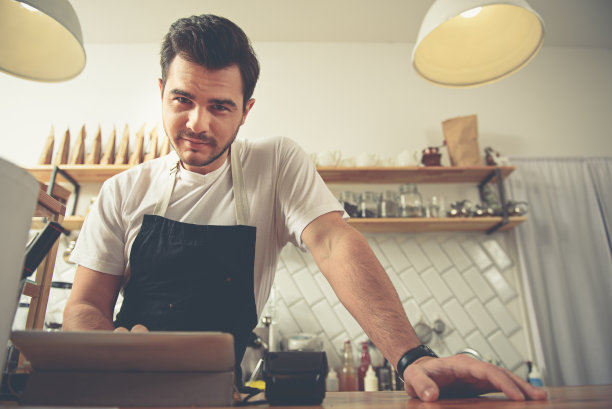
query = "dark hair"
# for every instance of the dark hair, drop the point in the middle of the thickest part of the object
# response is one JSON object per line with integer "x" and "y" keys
{"x": 213, "y": 42}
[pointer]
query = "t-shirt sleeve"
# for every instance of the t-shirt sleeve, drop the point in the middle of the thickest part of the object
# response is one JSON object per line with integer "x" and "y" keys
{"x": 101, "y": 242}
{"x": 302, "y": 194}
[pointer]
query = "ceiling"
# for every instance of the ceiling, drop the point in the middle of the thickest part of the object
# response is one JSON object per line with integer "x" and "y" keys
{"x": 569, "y": 23}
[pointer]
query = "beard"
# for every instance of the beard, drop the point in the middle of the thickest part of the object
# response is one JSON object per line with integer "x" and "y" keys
{"x": 193, "y": 160}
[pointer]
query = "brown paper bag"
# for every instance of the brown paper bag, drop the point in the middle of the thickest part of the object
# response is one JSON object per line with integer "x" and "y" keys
{"x": 461, "y": 135}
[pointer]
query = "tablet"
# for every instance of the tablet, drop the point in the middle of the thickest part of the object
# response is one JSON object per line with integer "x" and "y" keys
{"x": 127, "y": 351}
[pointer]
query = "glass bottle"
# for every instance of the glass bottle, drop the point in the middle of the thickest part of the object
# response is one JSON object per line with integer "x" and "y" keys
{"x": 368, "y": 205}
{"x": 436, "y": 206}
{"x": 387, "y": 207}
{"x": 331, "y": 382}
{"x": 384, "y": 377}
{"x": 410, "y": 201}
{"x": 347, "y": 378}
{"x": 365, "y": 364}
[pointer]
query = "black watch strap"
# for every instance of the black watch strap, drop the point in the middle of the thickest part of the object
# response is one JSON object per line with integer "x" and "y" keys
{"x": 411, "y": 356}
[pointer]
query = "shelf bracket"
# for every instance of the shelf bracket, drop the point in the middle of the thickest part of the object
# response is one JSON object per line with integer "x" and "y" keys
{"x": 496, "y": 173}
{"x": 77, "y": 187}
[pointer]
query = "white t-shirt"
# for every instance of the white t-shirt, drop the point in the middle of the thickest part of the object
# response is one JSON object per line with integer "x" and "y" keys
{"x": 284, "y": 193}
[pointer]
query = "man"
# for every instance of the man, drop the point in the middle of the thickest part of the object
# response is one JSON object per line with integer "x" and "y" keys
{"x": 195, "y": 235}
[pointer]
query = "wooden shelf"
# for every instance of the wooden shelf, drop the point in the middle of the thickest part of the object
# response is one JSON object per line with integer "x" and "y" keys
{"x": 425, "y": 224}
{"x": 411, "y": 174}
{"x": 68, "y": 223}
{"x": 80, "y": 173}
{"x": 379, "y": 175}
{"x": 73, "y": 222}
{"x": 394, "y": 224}
{"x": 398, "y": 175}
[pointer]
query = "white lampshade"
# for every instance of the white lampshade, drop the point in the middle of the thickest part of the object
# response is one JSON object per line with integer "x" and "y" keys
{"x": 465, "y": 43}
{"x": 40, "y": 40}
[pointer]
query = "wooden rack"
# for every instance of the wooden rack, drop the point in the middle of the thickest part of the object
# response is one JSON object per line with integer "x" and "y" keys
{"x": 52, "y": 209}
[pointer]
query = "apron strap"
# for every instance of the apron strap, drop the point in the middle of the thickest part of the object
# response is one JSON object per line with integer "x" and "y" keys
{"x": 162, "y": 204}
{"x": 240, "y": 198}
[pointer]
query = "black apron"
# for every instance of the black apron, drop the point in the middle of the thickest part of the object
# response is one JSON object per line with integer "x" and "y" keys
{"x": 187, "y": 277}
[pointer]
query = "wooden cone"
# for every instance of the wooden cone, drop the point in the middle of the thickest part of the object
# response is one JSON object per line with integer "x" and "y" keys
{"x": 152, "y": 154}
{"x": 77, "y": 156}
{"x": 136, "y": 157}
{"x": 124, "y": 147}
{"x": 94, "y": 156}
{"x": 108, "y": 158}
{"x": 47, "y": 152}
{"x": 165, "y": 147}
{"x": 61, "y": 156}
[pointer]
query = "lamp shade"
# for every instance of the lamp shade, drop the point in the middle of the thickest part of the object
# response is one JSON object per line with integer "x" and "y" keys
{"x": 465, "y": 43}
{"x": 40, "y": 40}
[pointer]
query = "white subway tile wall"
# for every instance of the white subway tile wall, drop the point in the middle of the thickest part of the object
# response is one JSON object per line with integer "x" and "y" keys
{"x": 499, "y": 284}
{"x": 438, "y": 288}
{"x": 468, "y": 280}
{"x": 459, "y": 286}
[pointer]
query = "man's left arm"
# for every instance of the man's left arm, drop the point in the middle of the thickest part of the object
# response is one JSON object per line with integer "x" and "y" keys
{"x": 360, "y": 282}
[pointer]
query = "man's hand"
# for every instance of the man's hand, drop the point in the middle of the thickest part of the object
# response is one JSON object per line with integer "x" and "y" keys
{"x": 135, "y": 328}
{"x": 462, "y": 376}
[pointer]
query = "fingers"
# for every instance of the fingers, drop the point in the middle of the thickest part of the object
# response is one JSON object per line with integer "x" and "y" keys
{"x": 139, "y": 328}
{"x": 529, "y": 390}
{"x": 419, "y": 385}
{"x": 503, "y": 380}
{"x": 135, "y": 328}
{"x": 464, "y": 376}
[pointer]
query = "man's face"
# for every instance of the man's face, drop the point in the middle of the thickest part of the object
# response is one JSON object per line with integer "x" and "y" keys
{"x": 202, "y": 111}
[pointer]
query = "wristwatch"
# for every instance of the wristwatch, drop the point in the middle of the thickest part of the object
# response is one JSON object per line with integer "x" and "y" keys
{"x": 411, "y": 356}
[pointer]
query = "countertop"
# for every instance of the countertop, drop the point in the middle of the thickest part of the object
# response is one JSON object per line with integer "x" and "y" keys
{"x": 583, "y": 397}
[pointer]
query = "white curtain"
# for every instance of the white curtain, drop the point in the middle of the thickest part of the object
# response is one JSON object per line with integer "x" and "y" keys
{"x": 564, "y": 248}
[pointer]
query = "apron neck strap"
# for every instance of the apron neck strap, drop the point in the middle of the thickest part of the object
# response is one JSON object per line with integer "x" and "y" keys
{"x": 162, "y": 204}
{"x": 240, "y": 198}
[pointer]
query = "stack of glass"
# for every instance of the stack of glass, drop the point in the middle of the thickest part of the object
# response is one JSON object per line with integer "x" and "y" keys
{"x": 408, "y": 202}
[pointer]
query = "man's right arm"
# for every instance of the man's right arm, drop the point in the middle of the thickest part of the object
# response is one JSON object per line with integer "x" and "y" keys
{"x": 92, "y": 301}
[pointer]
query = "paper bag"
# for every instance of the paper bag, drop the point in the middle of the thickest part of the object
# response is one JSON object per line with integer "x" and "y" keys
{"x": 461, "y": 135}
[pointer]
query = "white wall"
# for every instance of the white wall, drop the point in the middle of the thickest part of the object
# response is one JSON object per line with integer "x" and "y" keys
{"x": 354, "y": 97}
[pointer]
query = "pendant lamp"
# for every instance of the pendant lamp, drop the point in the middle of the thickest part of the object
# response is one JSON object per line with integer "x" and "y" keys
{"x": 466, "y": 43}
{"x": 40, "y": 40}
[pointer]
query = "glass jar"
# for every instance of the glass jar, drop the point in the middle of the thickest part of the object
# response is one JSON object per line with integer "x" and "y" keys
{"x": 387, "y": 207}
{"x": 368, "y": 205}
{"x": 436, "y": 207}
{"x": 348, "y": 199}
{"x": 410, "y": 201}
